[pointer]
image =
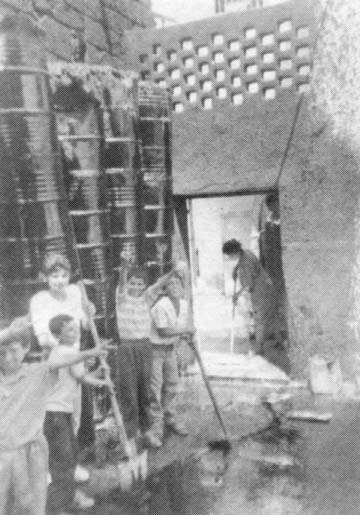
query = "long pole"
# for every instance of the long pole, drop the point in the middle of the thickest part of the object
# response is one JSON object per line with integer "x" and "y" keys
{"x": 209, "y": 389}
{"x": 232, "y": 334}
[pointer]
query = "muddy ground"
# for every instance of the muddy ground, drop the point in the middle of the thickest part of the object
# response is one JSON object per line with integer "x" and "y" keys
{"x": 285, "y": 468}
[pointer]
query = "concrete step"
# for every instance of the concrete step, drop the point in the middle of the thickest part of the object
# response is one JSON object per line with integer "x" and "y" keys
{"x": 241, "y": 367}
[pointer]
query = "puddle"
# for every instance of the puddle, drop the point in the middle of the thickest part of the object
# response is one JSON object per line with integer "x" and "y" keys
{"x": 261, "y": 475}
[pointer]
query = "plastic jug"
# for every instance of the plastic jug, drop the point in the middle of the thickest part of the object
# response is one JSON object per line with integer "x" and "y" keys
{"x": 325, "y": 375}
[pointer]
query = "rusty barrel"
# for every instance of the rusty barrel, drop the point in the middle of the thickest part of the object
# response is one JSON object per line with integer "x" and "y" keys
{"x": 155, "y": 137}
{"x": 122, "y": 162}
{"x": 34, "y": 219}
{"x": 82, "y": 144}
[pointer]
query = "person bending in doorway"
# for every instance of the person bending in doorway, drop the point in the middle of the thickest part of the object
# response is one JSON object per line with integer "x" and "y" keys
{"x": 253, "y": 278}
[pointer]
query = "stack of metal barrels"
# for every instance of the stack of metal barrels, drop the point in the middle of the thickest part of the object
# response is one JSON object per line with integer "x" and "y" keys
{"x": 34, "y": 217}
{"x": 155, "y": 136}
{"x": 103, "y": 192}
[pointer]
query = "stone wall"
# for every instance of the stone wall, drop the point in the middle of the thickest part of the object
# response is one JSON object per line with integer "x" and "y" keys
{"x": 319, "y": 192}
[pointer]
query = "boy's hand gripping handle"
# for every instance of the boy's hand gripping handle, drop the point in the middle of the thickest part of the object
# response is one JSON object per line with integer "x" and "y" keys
{"x": 114, "y": 405}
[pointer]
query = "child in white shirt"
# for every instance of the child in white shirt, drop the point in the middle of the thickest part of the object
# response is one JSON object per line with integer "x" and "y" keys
{"x": 60, "y": 425}
{"x": 170, "y": 322}
{"x": 64, "y": 298}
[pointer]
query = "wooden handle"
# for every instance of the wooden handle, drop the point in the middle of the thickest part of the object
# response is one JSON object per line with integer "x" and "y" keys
{"x": 209, "y": 389}
{"x": 114, "y": 405}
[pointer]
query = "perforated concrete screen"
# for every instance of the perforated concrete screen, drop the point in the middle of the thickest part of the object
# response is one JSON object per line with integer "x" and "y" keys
{"x": 232, "y": 58}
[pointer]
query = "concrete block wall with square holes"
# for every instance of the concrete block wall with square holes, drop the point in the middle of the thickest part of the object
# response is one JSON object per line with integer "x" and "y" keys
{"x": 226, "y": 59}
{"x": 236, "y": 81}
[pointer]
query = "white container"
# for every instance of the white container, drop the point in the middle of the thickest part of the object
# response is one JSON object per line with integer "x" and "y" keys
{"x": 325, "y": 376}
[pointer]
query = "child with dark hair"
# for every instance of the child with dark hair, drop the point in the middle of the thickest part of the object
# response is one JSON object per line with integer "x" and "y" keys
{"x": 24, "y": 389}
{"x": 133, "y": 302}
{"x": 61, "y": 298}
{"x": 61, "y": 421}
{"x": 64, "y": 298}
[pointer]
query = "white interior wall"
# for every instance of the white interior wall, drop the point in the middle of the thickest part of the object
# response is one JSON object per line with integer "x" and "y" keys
{"x": 216, "y": 220}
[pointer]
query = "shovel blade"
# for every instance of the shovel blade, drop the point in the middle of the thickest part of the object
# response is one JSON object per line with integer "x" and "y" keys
{"x": 132, "y": 470}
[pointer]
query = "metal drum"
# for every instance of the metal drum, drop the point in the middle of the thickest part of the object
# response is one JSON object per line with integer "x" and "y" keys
{"x": 34, "y": 219}
{"x": 157, "y": 254}
{"x": 153, "y": 102}
{"x": 82, "y": 143}
{"x": 122, "y": 122}
{"x": 155, "y": 136}
{"x": 123, "y": 162}
{"x": 154, "y": 132}
{"x": 157, "y": 188}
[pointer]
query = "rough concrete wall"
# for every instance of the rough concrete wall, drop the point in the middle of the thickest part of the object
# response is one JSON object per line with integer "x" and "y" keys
{"x": 232, "y": 149}
{"x": 319, "y": 195}
{"x": 319, "y": 191}
{"x": 102, "y": 23}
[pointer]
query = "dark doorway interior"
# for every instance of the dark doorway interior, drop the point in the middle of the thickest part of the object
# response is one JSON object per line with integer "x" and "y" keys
{"x": 275, "y": 349}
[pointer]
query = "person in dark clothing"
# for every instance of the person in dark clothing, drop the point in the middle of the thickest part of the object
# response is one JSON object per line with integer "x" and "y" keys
{"x": 253, "y": 278}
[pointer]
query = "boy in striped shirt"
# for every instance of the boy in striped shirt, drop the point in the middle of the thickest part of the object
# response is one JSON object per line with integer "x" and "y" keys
{"x": 133, "y": 303}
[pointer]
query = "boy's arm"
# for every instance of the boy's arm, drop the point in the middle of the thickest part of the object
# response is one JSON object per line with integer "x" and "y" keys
{"x": 185, "y": 329}
{"x": 153, "y": 292}
{"x": 160, "y": 320}
{"x": 57, "y": 361}
{"x": 169, "y": 331}
{"x": 123, "y": 275}
{"x": 92, "y": 379}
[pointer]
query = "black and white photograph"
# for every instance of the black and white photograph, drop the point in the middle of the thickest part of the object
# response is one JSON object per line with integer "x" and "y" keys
{"x": 179, "y": 257}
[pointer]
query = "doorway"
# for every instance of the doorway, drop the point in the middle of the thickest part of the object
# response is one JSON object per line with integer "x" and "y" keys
{"x": 256, "y": 224}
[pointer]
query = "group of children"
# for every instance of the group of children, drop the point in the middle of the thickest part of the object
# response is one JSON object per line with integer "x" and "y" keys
{"x": 39, "y": 472}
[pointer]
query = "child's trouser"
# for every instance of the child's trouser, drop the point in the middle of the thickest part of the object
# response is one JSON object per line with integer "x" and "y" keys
{"x": 23, "y": 474}
{"x": 63, "y": 451}
{"x": 135, "y": 357}
{"x": 164, "y": 386}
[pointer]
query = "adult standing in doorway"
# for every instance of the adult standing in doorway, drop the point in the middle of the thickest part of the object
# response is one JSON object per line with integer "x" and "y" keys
{"x": 256, "y": 281}
{"x": 271, "y": 260}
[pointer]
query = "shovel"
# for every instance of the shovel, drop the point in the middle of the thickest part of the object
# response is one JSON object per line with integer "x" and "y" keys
{"x": 134, "y": 465}
{"x": 219, "y": 444}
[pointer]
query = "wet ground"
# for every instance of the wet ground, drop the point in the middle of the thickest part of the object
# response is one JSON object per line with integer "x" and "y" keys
{"x": 272, "y": 469}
